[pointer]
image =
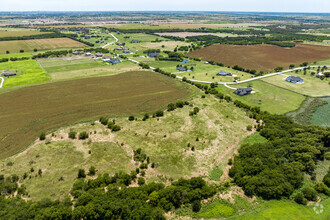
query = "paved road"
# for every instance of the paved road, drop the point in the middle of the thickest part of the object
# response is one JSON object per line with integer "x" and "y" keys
{"x": 254, "y": 78}
{"x": 2, "y": 81}
{"x": 116, "y": 40}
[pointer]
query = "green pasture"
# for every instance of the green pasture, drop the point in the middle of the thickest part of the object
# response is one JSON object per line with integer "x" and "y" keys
{"x": 15, "y": 55}
{"x": 28, "y": 72}
{"x": 63, "y": 69}
{"x": 273, "y": 99}
{"x": 312, "y": 86}
{"x": 322, "y": 114}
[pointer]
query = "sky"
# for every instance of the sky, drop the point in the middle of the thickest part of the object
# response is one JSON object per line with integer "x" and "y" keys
{"x": 167, "y": 5}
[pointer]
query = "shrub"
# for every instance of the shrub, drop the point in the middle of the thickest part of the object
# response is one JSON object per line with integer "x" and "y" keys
{"x": 230, "y": 161}
{"x": 249, "y": 128}
{"x": 309, "y": 193}
{"x": 327, "y": 156}
{"x": 83, "y": 135}
{"x": 141, "y": 181}
{"x": 159, "y": 113}
{"x": 81, "y": 173}
{"x": 42, "y": 136}
{"x": 145, "y": 117}
{"x": 72, "y": 134}
{"x": 131, "y": 118}
{"x": 300, "y": 199}
{"x": 115, "y": 128}
{"x": 170, "y": 107}
{"x": 104, "y": 120}
{"x": 196, "y": 205}
{"x": 92, "y": 171}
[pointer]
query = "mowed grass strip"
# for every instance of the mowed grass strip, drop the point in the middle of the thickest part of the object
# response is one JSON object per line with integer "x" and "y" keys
{"x": 262, "y": 57}
{"x": 27, "y": 112}
{"x": 15, "y": 46}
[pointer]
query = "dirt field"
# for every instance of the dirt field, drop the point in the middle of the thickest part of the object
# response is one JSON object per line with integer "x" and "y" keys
{"x": 262, "y": 57}
{"x": 46, "y": 107}
{"x": 41, "y": 44}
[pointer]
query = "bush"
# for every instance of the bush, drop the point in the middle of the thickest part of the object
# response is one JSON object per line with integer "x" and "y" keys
{"x": 230, "y": 161}
{"x": 309, "y": 193}
{"x": 83, "y": 135}
{"x": 115, "y": 128}
{"x": 141, "y": 181}
{"x": 81, "y": 173}
{"x": 104, "y": 120}
{"x": 131, "y": 118}
{"x": 196, "y": 205}
{"x": 249, "y": 128}
{"x": 42, "y": 136}
{"x": 92, "y": 171}
{"x": 145, "y": 117}
{"x": 72, "y": 134}
{"x": 327, "y": 156}
{"x": 300, "y": 199}
{"x": 159, "y": 113}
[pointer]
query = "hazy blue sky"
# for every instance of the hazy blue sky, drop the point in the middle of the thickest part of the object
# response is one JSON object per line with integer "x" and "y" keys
{"x": 173, "y": 5}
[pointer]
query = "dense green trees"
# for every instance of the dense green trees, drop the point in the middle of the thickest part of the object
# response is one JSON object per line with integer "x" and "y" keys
{"x": 148, "y": 201}
{"x": 275, "y": 169}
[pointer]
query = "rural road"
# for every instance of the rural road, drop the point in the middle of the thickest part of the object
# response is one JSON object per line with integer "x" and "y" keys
{"x": 116, "y": 40}
{"x": 2, "y": 81}
{"x": 254, "y": 78}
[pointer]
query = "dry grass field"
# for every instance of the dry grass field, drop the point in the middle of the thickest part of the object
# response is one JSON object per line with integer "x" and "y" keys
{"x": 9, "y": 32}
{"x": 27, "y": 112}
{"x": 188, "y": 34}
{"x": 262, "y": 57}
{"x": 40, "y": 44}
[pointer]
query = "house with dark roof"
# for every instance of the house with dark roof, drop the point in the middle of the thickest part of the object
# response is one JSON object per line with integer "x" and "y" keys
{"x": 243, "y": 91}
{"x": 77, "y": 52}
{"x": 114, "y": 61}
{"x": 99, "y": 54}
{"x": 154, "y": 54}
{"x": 181, "y": 68}
{"x": 135, "y": 41}
{"x": 126, "y": 51}
{"x": 87, "y": 37}
{"x": 295, "y": 79}
{"x": 185, "y": 61}
{"x": 224, "y": 73}
{"x": 7, "y": 74}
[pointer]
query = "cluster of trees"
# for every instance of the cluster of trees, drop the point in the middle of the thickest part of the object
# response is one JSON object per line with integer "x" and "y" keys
{"x": 276, "y": 168}
{"x": 3, "y": 60}
{"x": 172, "y": 56}
{"x": 92, "y": 201}
{"x": 110, "y": 124}
{"x": 179, "y": 104}
{"x": 144, "y": 66}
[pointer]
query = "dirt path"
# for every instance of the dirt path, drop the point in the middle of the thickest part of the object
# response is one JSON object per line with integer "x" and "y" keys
{"x": 2, "y": 81}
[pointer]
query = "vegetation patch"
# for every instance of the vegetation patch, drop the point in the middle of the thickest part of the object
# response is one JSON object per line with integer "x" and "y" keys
{"x": 16, "y": 46}
{"x": 45, "y": 107}
{"x": 321, "y": 114}
{"x": 307, "y": 111}
{"x": 27, "y": 72}
{"x": 216, "y": 210}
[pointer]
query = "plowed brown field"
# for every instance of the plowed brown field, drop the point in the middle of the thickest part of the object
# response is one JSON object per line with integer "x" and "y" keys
{"x": 262, "y": 57}
{"x": 26, "y": 112}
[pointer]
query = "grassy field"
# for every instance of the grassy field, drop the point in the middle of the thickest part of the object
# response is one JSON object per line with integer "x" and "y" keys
{"x": 46, "y": 107}
{"x": 285, "y": 210}
{"x": 204, "y": 72}
{"x": 274, "y": 99}
{"x": 323, "y": 62}
{"x": 28, "y": 72}
{"x": 312, "y": 86}
{"x": 262, "y": 57}
{"x": 16, "y": 55}
{"x": 40, "y": 44}
{"x": 17, "y": 32}
{"x": 219, "y": 127}
{"x": 65, "y": 69}
{"x": 304, "y": 114}
{"x": 321, "y": 115}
